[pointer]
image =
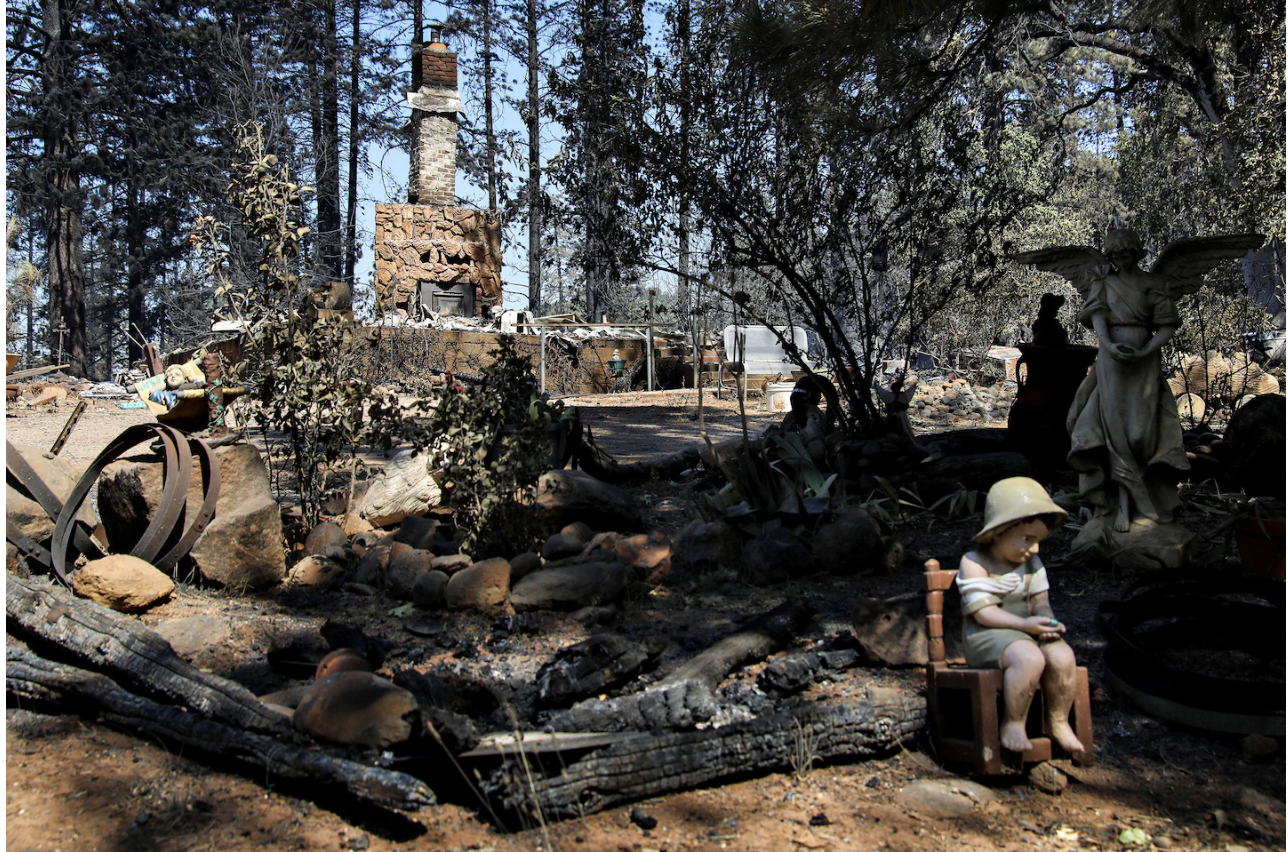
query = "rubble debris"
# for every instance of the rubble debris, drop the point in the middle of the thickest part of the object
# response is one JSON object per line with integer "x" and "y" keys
{"x": 590, "y": 667}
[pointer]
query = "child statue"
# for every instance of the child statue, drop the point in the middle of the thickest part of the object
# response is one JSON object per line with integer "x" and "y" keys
{"x": 1008, "y": 621}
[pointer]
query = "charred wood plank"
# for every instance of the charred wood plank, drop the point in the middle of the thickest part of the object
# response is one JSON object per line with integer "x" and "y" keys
{"x": 643, "y": 765}
{"x": 680, "y": 706}
{"x": 103, "y": 640}
{"x": 599, "y": 464}
{"x": 763, "y": 636}
{"x": 33, "y": 678}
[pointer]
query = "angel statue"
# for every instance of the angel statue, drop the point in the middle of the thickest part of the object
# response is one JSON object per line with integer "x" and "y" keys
{"x": 1124, "y": 429}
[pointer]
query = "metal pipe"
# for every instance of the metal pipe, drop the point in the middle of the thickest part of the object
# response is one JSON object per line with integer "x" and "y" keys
{"x": 542, "y": 357}
{"x": 648, "y": 353}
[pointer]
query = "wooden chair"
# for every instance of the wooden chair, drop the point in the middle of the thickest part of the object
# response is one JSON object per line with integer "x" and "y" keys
{"x": 965, "y": 704}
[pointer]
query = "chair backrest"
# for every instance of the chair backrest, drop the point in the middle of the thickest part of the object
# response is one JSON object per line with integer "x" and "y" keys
{"x": 763, "y": 354}
{"x": 937, "y": 582}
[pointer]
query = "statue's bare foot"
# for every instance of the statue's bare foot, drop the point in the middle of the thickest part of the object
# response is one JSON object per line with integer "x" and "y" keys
{"x": 1065, "y": 737}
{"x": 1013, "y": 737}
{"x": 1122, "y": 521}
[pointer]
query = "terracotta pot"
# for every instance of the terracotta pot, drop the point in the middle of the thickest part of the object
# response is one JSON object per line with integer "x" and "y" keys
{"x": 1262, "y": 551}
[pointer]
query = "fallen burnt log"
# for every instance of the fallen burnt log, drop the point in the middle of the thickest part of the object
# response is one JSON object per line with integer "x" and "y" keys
{"x": 599, "y": 464}
{"x": 761, "y": 637}
{"x": 103, "y": 640}
{"x": 29, "y": 677}
{"x": 579, "y": 780}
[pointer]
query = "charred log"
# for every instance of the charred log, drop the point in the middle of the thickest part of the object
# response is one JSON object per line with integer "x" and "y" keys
{"x": 32, "y": 678}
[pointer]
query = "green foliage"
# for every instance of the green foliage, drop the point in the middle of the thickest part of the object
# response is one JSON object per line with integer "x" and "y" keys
{"x": 493, "y": 443}
{"x": 310, "y": 394}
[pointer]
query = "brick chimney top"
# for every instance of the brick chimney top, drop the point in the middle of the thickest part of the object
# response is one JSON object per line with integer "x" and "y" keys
{"x": 436, "y": 42}
{"x": 437, "y": 63}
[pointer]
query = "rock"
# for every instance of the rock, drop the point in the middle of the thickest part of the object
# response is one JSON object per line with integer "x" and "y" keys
{"x": 324, "y": 535}
{"x": 28, "y": 515}
{"x": 48, "y": 394}
{"x": 849, "y": 544}
{"x": 405, "y": 568}
{"x": 452, "y": 563}
{"x": 193, "y": 634}
{"x": 358, "y": 708}
{"x": 702, "y": 547}
{"x": 417, "y": 531}
{"x": 571, "y": 587}
{"x": 523, "y": 565}
{"x": 123, "y": 583}
{"x": 648, "y": 554}
{"x": 893, "y": 631}
{"x": 242, "y": 550}
{"x": 1047, "y": 778}
{"x": 316, "y": 572}
{"x": 1144, "y": 547}
{"x": 355, "y": 524}
{"x": 342, "y": 660}
{"x": 405, "y": 487}
{"x": 560, "y": 546}
{"x": 483, "y": 585}
{"x": 566, "y": 496}
{"x": 1258, "y": 747}
{"x": 242, "y": 546}
{"x": 1190, "y": 407}
{"x": 773, "y": 556}
{"x": 344, "y": 556}
{"x": 374, "y": 564}
{"x": 289, "y": 698}
{"x": 944, "y": 799}
{"x": 580, "y": 530}
{"x": 430, "y": 590}
{"x": 593, "y": 616}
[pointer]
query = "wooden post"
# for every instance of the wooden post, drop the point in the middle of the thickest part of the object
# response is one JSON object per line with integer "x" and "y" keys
{"x": 61, "y": 440}
{"x": 215, "y": 409}
{"x": 153, "y": 356}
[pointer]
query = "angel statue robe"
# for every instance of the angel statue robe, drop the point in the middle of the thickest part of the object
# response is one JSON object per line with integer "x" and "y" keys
{"x": 1124, "y": 429}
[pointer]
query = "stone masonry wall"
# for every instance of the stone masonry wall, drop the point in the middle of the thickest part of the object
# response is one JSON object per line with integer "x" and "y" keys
{"x": 441, "y": 245}
{"x": 433, "y": 152}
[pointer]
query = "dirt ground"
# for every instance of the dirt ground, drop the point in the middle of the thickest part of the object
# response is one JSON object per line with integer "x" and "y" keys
{"x": 76, "y": 784}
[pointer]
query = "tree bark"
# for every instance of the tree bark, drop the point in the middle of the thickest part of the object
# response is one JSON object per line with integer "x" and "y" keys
{"x": 351, "y": 211}
{"x": 30, "y": 677}
{"x": 62, "y": 192}
{"x": 646, "y": 765}
{"x": 102, "y": 639}
{"x": 536, "y": 219}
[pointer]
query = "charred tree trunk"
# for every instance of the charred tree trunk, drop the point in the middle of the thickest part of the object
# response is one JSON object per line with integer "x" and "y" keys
{"x": 762, "y": 637}
{"x": 101, "y": 639}
{"x": 646, "y": 765}
{"x": 29, "y": 677}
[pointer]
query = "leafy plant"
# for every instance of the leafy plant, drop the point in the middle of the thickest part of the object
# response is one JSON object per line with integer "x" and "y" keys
{"x": 493, "y": 443}
{"x": 308, "y": 391}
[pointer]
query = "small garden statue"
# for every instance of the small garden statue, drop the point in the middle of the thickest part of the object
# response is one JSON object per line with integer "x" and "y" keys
{"x": 1047, "y": 330}
{"x": 1008, "y": 621}
{"x": 1123, "y": 425}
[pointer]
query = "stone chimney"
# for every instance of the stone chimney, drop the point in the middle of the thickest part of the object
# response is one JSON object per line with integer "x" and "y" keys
{"x": 434, "y": 106}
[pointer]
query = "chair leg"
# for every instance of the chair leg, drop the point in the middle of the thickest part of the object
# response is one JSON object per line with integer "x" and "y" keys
{"x": 989, "y": 746}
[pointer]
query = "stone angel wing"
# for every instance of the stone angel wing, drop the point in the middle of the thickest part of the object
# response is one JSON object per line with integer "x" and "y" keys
{"x": 1185, "y": 262}
{"x": 1080, "y": 264}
